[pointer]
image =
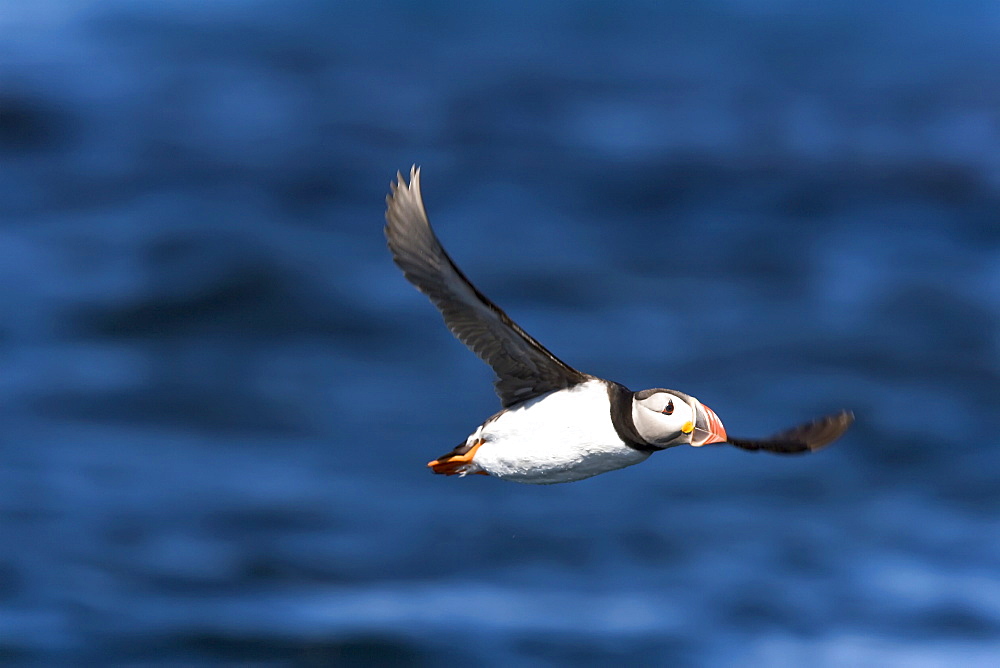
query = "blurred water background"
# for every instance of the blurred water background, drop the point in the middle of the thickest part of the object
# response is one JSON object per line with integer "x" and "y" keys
{"x": 218, "y": 393}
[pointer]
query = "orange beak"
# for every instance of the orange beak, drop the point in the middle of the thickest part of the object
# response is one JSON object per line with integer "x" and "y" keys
{"x": 709, "y": 427}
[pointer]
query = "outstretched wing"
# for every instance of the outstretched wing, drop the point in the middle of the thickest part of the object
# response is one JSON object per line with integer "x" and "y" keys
{"x": 524, "y": 368}
{"x": 804, "y": 438}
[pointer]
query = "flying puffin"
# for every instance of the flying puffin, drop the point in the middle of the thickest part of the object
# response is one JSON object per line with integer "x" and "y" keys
{"x": 557, "y": 424}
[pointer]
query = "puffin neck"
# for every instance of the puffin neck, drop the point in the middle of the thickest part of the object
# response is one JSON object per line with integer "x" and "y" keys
{"x": 621, "y": 418}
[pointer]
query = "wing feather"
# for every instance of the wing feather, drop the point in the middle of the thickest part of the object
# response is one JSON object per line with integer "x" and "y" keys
{"x": 525, "y": 368}
{"x": 807, "y": 437}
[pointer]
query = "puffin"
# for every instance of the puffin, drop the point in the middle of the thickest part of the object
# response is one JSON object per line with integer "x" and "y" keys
{"x": 556, "y": 424}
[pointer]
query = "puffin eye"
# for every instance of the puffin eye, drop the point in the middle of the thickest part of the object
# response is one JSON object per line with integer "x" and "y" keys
{"x": 669, "y": 408}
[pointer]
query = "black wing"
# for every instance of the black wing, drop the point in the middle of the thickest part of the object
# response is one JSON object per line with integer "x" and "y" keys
{"x": 804, "y": 438}
{"x": 524, "y": 368}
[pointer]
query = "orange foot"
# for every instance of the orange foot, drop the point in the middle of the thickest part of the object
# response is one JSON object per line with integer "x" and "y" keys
{"x": 456, "y": 464}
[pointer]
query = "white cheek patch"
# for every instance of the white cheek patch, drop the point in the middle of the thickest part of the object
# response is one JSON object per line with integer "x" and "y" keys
{"x": 644, "y": 420}
{"x": 656, "y": 427}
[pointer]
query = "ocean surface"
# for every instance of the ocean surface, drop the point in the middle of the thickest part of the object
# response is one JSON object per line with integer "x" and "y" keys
{"x": 218, "y": 394}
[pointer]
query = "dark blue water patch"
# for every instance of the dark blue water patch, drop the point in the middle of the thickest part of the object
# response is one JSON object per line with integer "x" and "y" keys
{"x": 173, "y": 405}
{"x": 29, "y": 124}
{"x": 583, "y": 651}
{"x": 362, "y": 649}
{"x": 253, "y": 300}
{"x": 12, "y": 583}
{"x": 957, "y": 622}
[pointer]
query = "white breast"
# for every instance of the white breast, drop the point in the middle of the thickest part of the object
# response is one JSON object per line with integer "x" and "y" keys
{"x": 558, "y": 437}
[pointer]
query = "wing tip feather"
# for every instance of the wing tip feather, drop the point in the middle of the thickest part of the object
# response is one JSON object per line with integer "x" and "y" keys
{"x": 808, "y": 437}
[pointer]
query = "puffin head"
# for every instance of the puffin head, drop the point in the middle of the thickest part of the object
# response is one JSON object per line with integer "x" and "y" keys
{"x": 665, "y": 418}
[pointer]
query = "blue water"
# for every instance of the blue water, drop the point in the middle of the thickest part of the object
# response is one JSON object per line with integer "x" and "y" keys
{"x": 219, "y": 394}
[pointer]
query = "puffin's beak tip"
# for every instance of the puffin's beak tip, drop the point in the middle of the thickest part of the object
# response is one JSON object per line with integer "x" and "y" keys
{"x": 709, "y": 427}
